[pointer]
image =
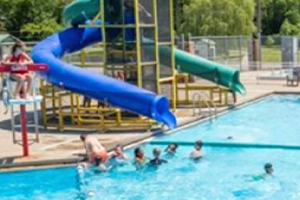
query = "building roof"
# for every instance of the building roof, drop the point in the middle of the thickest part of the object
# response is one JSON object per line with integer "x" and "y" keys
{"x": 7, "y": 38}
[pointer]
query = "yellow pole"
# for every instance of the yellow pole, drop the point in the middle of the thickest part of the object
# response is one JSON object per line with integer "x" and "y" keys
{"x": 60, "y": 114}
{"x": 102, "y": 14}
{"x": 155, "y": 15}
{"x": 72, "y": 109}
{"x": 82, "y": 58}
{"x": 176, "y": 88}
{"x": 78, "y": 109}
{"x": 138, "y": 42}
{"x": 53, "y": 100}
{"x": 43, "y": 104}
{"x": 186, "y": 86}
{"x": 172, "y": 54}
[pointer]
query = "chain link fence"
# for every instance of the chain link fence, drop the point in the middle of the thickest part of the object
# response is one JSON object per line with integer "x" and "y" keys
{"x": 243, "y": 52}
{"x": 239, "y": 52}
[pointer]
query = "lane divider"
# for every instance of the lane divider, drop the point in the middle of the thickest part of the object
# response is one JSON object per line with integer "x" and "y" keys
{"x": 231, "y": 144}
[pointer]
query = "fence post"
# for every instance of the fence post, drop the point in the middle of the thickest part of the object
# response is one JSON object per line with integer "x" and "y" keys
{"x": 241, "y": 52}
{"x": 182, "y": 42}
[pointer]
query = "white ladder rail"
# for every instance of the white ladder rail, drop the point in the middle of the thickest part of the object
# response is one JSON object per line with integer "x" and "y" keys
{"x": 197, "y": 99}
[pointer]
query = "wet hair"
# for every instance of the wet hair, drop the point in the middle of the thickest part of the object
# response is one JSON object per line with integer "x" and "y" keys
{"x": 268, "y": 166}
{"x": 156, "y": 151}
{"x": 199, "y": 143}
{"x": 119, "y": 146}
{"x": 17, "y": 45}
{"x": 82, "y": 137}
{"x": 175, "y": 145}
{"x": 136, "y": 151}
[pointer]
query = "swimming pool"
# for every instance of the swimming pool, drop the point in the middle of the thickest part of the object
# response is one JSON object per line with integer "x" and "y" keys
{"x": 224, "y": 173}
{"x": 274, "y": 120}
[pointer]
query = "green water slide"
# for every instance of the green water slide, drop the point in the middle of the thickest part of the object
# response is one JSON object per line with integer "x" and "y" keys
{"x": 209, "y": 70}
{"x": 80, "y": 10}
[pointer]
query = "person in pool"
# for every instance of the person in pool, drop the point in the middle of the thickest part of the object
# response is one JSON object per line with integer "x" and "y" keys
{"x": 140, "y": 158}
{"x": 171, "y": 150}
{"x": 118, "y": 157}
{"x": 118, "y": 153}
{"x": 96, "y": 152}
{"x": 156, "y": 160}
{"x": 197, "y": 154}
{"x": 268, "y": 172}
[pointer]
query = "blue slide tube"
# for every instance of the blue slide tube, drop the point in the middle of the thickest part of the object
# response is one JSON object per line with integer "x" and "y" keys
{"x": 117, "y": 93}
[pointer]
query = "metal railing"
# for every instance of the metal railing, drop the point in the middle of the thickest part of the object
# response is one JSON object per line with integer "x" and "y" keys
{"x": 197, "y": 99}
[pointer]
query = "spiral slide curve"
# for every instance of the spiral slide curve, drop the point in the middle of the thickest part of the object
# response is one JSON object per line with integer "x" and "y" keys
{"x": 96, "y": 86}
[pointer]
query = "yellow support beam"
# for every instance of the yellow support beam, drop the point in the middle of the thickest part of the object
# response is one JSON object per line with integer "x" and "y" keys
{"x": 138, "y": 42}
{"x": 155, "y": 15}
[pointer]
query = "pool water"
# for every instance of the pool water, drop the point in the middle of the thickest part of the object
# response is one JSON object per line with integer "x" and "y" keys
{"x": 223, "y": 173}
{"x": 274, "y": 120}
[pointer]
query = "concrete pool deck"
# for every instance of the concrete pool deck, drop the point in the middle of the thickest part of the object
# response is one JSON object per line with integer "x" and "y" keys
{"x": 64, "y": 147}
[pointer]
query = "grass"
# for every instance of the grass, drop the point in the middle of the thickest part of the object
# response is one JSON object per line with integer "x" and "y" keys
{"x": 270, "y": 54}
{"x": 273, "y": 54}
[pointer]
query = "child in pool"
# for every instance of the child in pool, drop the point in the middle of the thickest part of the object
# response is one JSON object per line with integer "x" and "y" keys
{"x": 268, "y": 172}
{"x": 170, "y": 151}
{"x": 197, "y": 154}
{"x": 118, "y": 157}
{"x": 140, "y": 158}
{"x": 156, "y": 160}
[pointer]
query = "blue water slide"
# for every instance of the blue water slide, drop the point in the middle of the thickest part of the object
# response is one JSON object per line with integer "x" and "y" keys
{"x": 117, "y": 93}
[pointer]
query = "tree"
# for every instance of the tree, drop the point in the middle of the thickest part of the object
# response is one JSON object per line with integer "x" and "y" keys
{"x": 280, "y": 16}
{"x": 22, "y": 15}
{"x": 215, "y": 17}
{"x": 37, "y": 31}
{"x": 287, "y": 28}
{"x": 269, "y": 41}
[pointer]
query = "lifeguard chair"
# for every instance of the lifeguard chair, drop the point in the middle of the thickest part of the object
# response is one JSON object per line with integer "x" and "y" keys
{"x": 11, "y": 103}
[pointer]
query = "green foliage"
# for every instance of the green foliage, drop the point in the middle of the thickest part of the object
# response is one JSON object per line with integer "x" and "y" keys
{"x": 280, "y": 16}
{"x": 287, "y": 28}
{"x": 22, "y": 15}
{"x": 215, "y": 17}
{"x": 37, "y": 31}
{"x": 35, "y": 19}
{"x": 269, "y": 41}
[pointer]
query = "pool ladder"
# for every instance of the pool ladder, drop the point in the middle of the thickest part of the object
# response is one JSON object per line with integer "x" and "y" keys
{"x": 197, "y": 110}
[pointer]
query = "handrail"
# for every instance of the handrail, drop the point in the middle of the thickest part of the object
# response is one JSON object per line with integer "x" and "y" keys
{"x": 213, "y": 104}
{"x": 197, "y": 99}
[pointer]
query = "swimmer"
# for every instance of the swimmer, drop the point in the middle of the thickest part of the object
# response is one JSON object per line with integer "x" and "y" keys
{"x": 229, "y": 138}
{"x": 156, "y": 160}
{"x": 171, "y": 150}
{"x": 268, "y": 172}
{"x": 95, "y": 151}
{"x": 118, "y": 153}
{"x": 196, "y": 154}
{"x": 118, "y": 157}
{"x": 140, "y": 158}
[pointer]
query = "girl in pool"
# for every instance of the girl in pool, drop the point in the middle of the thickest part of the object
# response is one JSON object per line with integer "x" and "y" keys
{"x": 140, "y": 159}
{"x": 118, "y": 157}
{"x": 19, "y": 57}
{"x": 170, "y": 151}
